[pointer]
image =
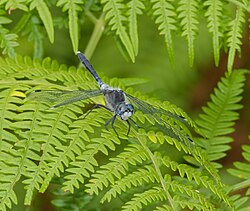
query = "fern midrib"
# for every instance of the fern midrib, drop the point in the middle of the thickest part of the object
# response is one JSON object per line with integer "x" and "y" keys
{"x": 158, "y": 171}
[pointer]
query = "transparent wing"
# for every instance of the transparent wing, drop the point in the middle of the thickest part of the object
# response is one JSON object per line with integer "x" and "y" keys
{"x": 168, "y": 129}
{"x": 150, "y": 109}
{"x": 62, "y": 97}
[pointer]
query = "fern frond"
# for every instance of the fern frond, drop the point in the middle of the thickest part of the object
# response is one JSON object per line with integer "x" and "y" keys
{"x": 188, "y": 11}
{"x": 36, "y": 35}
{"x": 136, "y": 178}
{"x": 191, "y": 174}
{"x": 85, "y": 162}
{"x": 155, "y": 194}
{"x": 116, "y": 168}
{"x": 214, "y": 16}
{"x": 73, "y": 7}
{"x": 15, "y": 4}
{"x": 135, "y": 8}
{"x": 242, "y": 170}
{"x": 219, "y": 115}
{"x": 116, "y": 19}
{"x": 165, "y": 16}
{"x": 9, "y": 175}
{"x": 190, "y": 191}
{"x": 234, "y": 36}
{"x": 45, "y": 15}
{"x": 8, "y": 42}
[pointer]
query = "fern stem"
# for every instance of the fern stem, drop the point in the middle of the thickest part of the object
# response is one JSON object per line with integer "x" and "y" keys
{"x": 95, "y": 37}
{"x": 158, "y": 171}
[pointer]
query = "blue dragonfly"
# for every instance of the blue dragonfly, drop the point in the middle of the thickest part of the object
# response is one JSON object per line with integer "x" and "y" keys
{"x": 118, "y": 102}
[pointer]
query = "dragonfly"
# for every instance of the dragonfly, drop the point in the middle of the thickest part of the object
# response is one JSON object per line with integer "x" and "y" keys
{"x": 118, "y": 102}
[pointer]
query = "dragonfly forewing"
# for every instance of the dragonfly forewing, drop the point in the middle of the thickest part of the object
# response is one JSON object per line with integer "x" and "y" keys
{"x": 63, "y": 97}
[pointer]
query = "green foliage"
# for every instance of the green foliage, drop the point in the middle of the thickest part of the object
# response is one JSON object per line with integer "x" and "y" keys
{"x": 188, "y": 10}
{"x": 81, "y": 161}
{"x": 219, "y": 116}
{"x": 38, "y": 144}
{"x": 7, "y": 39}
{"x": 45, "y": 15}
{"x": 234, "y": 36}
{"x": 116, "y": 19}
{"x": 241, "y": 170}
{"x": 225, "y": 21}
{"x": 73, "y": 8}
{"x": 165, "y": 16}
{"x": 214, "y": 15}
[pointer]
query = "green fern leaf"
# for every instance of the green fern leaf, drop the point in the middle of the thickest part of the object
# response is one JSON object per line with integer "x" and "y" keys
{"x": 166, "y": 18}
{"x": 45, "y": 16}
{"x": 219, "y": 115}
{"x": 36, "y": 35}
{"x": 214, "y": 16}
{"x": 8, "y": 42}
{"x": 116, "y": 168}
{"x": 136, "y": 178}
{"x": 188, "y": 15}
{"x": 234, "y": 36}
{"x": 241, "y": 170}
{"x": 73, "y": 7}
{"x": 135, "y": 8}
{"x": 116, "y": 19}
{"x": 15, "y": 4}
{"x": 84, "y": 164}
{"x": 153, "y": 195}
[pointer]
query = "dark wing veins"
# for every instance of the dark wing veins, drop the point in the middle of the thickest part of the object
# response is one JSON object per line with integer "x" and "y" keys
{"x": 62, "y": 97}
{"x": 168, "y": 129}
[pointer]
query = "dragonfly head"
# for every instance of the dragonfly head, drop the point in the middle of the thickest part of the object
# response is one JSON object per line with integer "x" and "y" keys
{"x": 125, "y": 110}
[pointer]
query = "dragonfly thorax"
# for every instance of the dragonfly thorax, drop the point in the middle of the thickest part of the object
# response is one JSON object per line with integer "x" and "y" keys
{"x": 124, "y": 110}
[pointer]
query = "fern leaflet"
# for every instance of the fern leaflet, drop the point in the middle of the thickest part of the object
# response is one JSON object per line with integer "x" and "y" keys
{"x": 72, "y": 7}
{"x": 116, "y": 19}
{"x": 214, "y": 16}
{"x": 8, "y": 42}
{"x": 166, "y": 18}
{"x": 234, "y": 36}
{"x": 45, "y": 16}
{"x": 188, "y": 14}
{"x": 15, "y": 4}
{"x": 135, "y": 8}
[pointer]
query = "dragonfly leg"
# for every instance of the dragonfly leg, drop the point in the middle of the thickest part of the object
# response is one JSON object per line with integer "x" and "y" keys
{"x": 129, "y": 126}
{"x": 112, "y": 124}
{"x": 112, "y": 120}
{"x": 95, "y": 106}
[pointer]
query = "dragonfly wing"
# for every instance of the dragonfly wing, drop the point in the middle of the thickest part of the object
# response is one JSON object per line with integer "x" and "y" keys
{"x": 164, "y": 125}
{"x": 150, "y": 109}
{"x": 62, "y": 97}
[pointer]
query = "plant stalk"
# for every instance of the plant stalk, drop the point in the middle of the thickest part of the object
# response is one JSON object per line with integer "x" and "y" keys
{"x": 95, "y": 37}
{"x": 158, "y": 171}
